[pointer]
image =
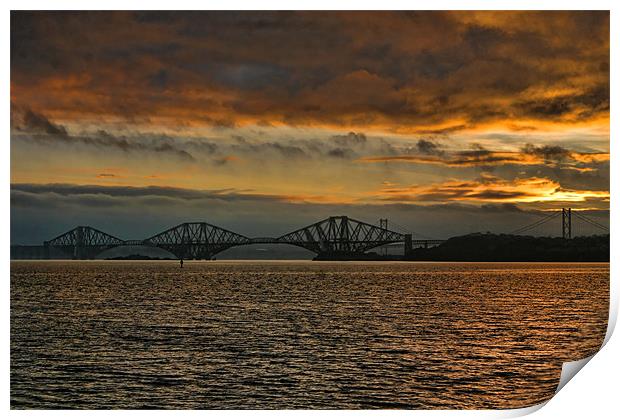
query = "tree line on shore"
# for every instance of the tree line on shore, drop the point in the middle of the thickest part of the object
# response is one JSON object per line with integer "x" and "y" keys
{"x": 500, "y": 247}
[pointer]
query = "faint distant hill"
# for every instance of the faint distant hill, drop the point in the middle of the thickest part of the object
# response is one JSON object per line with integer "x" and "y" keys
{"x": 492, "y": 247}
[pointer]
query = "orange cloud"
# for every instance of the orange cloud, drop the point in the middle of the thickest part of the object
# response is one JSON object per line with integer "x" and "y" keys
{"x": 490, "y": 189}
{"x": 530, "y": 155}
{"x": 590, "y": 157}
{"x": 473, "y": 158}
{"x": 465, "y": 70}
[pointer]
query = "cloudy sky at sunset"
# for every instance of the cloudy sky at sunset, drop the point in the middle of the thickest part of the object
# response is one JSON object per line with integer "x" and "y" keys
{"x": 444, "y": 122}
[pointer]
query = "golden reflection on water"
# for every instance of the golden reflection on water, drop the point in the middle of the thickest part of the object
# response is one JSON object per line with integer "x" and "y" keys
{"x": 126, "y": 334}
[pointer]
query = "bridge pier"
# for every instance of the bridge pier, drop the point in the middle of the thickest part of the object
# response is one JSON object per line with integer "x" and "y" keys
{"x": 78, "y": 247}
{"x": 408, "y": 244}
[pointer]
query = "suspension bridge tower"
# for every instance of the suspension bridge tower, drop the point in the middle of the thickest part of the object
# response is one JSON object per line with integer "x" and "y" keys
{"x": 582, "y": 227}
{"x": 566, "y": 223}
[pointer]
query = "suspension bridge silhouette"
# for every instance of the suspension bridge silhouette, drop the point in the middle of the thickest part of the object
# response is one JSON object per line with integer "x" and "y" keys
{"x": 331, "y": 238}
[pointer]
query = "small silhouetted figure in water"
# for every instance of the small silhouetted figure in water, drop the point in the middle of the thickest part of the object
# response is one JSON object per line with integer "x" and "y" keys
{"x": 181, "y": 262}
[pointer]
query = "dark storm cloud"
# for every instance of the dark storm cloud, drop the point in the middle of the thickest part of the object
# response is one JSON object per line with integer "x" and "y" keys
{"x": 580, "y": 106}
{"x": 251, "y": 76}
{"x": 25, "y": 119}
{"x": 28, "y": 125}
{"x": 36, "y": 121}
{"x": 443, "y": 131}
{"x": 202, "y": 146}
{"x": 164, "y": 193}
{"x": 351, "y": 139}
{"x": 498, "y": 195}
{"x": 104, "y": 140}
{"x": 348, "y": 146}
{"x": 285, "y": 150}
{"x": 340, "y": 153}
{"x": 315, "y": 68}
{"x": 35, "y": 127}
{"x": 288, "y": 151}
{"x": 160, "y": 79}
{"x": 427, "y": 147}
{"x": 115, "y": 191}
{"x": 547, "y": 152}
{"x": 478, "y": 156}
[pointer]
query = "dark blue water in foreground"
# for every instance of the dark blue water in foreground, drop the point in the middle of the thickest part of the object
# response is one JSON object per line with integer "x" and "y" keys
{"x": 103, "y": 334}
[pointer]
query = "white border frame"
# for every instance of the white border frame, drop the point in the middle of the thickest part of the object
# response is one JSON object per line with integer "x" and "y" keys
{"x": 592, "y": 393}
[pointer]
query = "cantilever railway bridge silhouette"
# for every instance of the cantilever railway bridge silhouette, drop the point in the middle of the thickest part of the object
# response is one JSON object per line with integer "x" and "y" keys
{"x": 332, "y": 237}
{"x": 337, "y": 235}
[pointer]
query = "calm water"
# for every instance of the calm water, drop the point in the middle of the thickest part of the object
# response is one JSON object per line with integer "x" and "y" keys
{"x": 298, "y": 334}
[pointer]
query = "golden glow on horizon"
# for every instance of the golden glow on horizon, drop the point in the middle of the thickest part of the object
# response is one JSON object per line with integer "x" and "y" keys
{"x": 491, "y": 189}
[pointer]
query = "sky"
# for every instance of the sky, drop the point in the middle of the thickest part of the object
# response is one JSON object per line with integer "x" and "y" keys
{"x": 262, "y": 122}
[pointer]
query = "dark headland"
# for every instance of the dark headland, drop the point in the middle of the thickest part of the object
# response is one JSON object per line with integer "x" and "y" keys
{"x": 494, "y": 247}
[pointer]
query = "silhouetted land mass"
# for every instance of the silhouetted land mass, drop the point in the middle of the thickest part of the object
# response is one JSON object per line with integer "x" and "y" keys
{"x": 492, "y": 247}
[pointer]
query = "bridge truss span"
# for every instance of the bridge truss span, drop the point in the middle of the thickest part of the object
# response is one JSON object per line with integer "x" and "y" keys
{"x": 341, "y": 234}
{"x": 83, "y": 242}
{"x": 336, "y": 236}
{"x": 198, "y": 240}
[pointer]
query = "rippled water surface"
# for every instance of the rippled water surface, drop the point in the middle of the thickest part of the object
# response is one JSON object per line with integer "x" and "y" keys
{"x": 103, "y": 334}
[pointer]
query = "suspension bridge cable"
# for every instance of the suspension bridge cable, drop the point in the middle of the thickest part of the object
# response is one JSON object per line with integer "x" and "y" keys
{"x": 592, "y": 222}
{"x": 589, "y": 221}
{"x": 530, "y": 227}
{"x": 535, "y": 224}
